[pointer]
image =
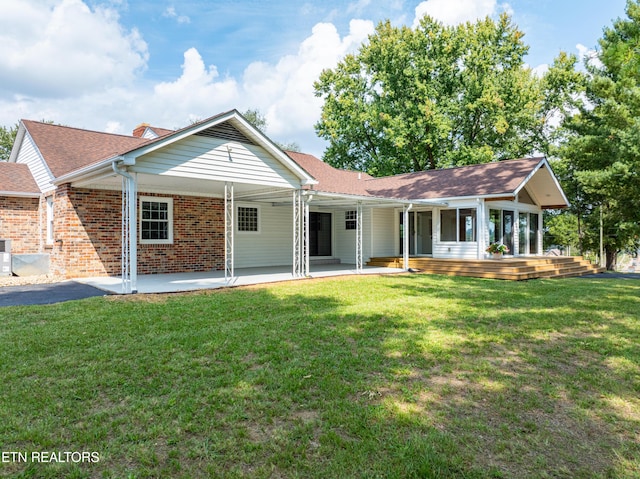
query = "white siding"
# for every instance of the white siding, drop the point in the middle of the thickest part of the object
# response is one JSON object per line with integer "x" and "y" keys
{"x": 344, "y": 240}
{"x": 29, "y": 155}
{"x": 217, "y": 160}
{"x": 384, "y": 231}
{"x": 272, "y": 245}
{"x": 456, "y": 249}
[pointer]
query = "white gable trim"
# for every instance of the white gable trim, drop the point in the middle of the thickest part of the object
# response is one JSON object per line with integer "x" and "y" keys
{"x": 543, "y": 162}
{"x": 244, "y": 126}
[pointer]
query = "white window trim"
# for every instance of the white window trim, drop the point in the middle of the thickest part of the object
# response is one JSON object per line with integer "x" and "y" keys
{"x": 49, "y": 220}
{"x": 156, "y": 199}
{"x": 259, "y": 219}
{"x": 457, "y": 241}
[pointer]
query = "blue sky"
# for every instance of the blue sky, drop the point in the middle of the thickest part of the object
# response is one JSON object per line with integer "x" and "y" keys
{"x": 109, "y": 65}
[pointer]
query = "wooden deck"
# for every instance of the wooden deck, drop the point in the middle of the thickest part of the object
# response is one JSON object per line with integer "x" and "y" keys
{"x": 515, "y": 269}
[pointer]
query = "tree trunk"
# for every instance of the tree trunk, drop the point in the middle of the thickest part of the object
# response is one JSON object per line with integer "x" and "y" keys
{"x": 612, "y": 259}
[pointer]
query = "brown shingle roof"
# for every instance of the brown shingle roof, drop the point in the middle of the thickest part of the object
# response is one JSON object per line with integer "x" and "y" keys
{"x": 489, "y": 179}
{"x": 498, "y": 178}
{"x": 332, "y": 180}
{"x": 66, "y": 149}
{"x": 16, "y": 178}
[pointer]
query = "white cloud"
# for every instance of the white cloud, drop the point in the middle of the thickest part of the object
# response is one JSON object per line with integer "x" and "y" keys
{"x": 63, "y": 48}
{"x": 170, "y": 12}
{"x": 285, "y": 90}
{"x": 453, "y": 12}
{"x": 588, "y": 56}
{"x": 82, "y": 69}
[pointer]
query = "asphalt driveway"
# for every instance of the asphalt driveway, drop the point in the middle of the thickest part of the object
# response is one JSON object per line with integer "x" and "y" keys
{"x": 46, "y": 293}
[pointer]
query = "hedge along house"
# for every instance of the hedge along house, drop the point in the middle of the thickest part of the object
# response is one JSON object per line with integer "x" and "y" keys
{"x": 219, "y": 195}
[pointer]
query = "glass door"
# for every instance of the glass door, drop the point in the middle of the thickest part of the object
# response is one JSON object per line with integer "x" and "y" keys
{"x": 507, "y": 229}
{"x": 319, "y": 234}
{"x": 424, "y": 232}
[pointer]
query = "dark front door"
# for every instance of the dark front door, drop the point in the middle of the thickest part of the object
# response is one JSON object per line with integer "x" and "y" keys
{"x": 319, "y": 234}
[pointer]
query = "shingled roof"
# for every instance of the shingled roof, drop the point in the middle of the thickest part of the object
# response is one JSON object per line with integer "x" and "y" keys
{"x": 490, "y": 179}
{"x": 16, "y": 179}
{"x": 67, "y": 149}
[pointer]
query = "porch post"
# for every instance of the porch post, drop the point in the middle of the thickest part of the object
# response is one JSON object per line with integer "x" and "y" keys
{"x": 305, "y": 236}
{"x": 481, "y": 228}
{"x": 296, "y": 234}
{"x": 228, "y": 233}
{"x": 129, "y": 243}
{"x": 359, "y": 237}
{"x": 405, "y": 236}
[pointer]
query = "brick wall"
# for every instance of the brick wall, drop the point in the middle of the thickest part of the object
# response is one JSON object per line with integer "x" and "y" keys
{"x": 19, "y": 222}
{"x": 87, "y": 230}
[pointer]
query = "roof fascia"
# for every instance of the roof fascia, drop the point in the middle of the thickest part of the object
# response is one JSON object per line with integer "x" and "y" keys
{"x": 87, "y": 171}
{"x": 19, "y": 194}
{"x": 543, "y": 162}
{"x": 17, "y": 144}
{"x": 373, "y": 199}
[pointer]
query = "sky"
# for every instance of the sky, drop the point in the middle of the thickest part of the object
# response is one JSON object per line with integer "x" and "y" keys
{"x": 109, "y": 65}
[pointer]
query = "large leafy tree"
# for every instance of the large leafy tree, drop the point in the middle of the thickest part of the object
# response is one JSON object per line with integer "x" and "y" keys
{"x": 7, "y": 137}
{"x": 601, "y": 158}
{"x": 438, "y": 96}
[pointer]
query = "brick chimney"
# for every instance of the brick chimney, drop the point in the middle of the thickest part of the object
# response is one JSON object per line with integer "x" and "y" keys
{"x": 139, "y": 130}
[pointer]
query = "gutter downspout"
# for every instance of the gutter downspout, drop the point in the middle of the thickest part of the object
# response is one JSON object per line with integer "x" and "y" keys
{"x": 129, "y": 231}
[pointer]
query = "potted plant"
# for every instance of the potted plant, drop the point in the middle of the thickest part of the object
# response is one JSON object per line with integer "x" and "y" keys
{"x": 497, "y": 250}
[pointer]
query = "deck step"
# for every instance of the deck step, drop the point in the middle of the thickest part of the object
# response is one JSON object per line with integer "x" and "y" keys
{"x": 516, "y": 269}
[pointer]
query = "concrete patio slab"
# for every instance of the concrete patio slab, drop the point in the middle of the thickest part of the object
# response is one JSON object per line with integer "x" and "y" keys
{"x": 178, "y": 282}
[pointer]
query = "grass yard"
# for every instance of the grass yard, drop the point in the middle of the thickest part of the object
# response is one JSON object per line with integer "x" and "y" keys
{"x": 398, "y": 376}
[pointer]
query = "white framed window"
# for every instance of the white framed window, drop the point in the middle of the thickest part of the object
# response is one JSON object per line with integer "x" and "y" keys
{"x": 459, "y": 225}
{"x": 156, "y": 220}
{"x": 248, "y": 219}
{"x": 350, "y": 220}
{"x": 49, "y": 238}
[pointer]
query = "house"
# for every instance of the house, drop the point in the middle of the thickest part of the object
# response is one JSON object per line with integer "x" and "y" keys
{"x": 219, "y": 195}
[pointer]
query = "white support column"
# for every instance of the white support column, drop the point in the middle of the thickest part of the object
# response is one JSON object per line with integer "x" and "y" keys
{"x": 304, "y": 240}
{"x": 481, "y": 227}
{"x": 129, "y": 238}
{"x": 297, "y": 256}
{"x": 125, "y": 240}
{"x": 229, "y": 215}
{"x": 405, "y": 237}
{"x": 133, "y": 232}
{"x": 359, "y": 237}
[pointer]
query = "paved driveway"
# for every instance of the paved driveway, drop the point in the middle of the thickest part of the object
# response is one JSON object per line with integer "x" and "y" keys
{"x": 46, "y": 293}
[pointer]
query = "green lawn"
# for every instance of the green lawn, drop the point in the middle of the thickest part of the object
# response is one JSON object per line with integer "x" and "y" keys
{"x": 399, "y": 376}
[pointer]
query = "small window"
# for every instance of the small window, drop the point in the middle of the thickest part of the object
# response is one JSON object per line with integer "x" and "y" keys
{"x": 156, "y": 220}
{"x": 247, "y": 219}
{"x": 350, "y": 220}
{"x": 467, "y": 224}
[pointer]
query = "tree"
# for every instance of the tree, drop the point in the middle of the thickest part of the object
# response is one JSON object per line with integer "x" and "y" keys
{"x": 601, "y": 157}
{"x": 257, "y": 119}
{"x": 438, "y": 96}
{"x": 7, "y": 138}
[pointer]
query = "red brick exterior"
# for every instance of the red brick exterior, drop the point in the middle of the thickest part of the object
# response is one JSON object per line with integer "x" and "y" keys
{"x": 20, "y": 222}
{"x": 87, "y": 231}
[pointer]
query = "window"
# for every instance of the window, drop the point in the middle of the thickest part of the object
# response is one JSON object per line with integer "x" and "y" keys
{"x": 350, "y": 220}
{"x": 50, "y": 220}
{"x": 448, "y": 220}
{"x": 156, "y": 220}
{"x": 458, "y": 225}
{"x": 495, "y": 226}
{"x": 247, "y": 219}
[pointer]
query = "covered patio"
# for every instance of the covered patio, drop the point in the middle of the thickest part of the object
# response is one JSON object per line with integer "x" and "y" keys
{"x": 181, "y": 282}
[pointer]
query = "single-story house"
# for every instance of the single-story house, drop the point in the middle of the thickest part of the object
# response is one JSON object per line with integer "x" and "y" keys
{"x": 219, "y": 195}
